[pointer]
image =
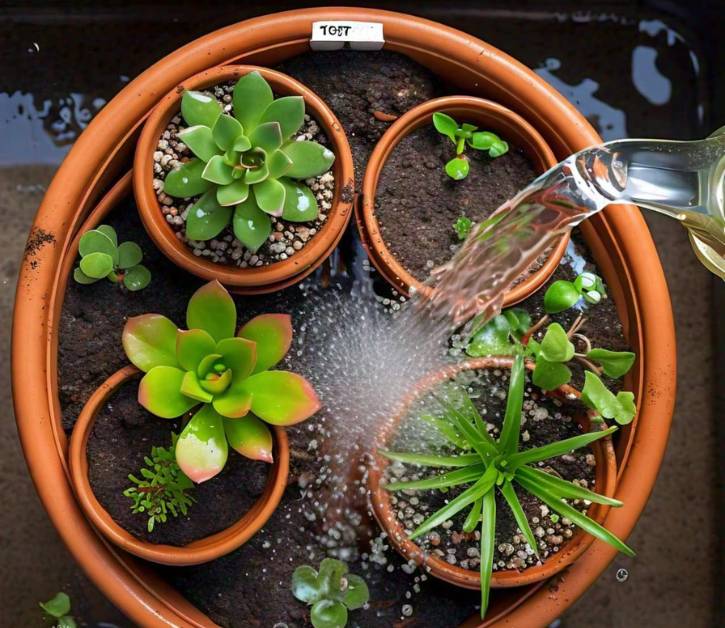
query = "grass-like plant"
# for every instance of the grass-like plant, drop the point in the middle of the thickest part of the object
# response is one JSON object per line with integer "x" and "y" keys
{"x": 331, "y": 592}
{"x": 225, "y": 376}
{"x": 163, "y": 488}
{"x": 58, "y": 607}
{"x": 499, "y": 465}
{"x": 246, "y": 167}
{"x": 103, "y": 257}
{"x": 466, "y": 135}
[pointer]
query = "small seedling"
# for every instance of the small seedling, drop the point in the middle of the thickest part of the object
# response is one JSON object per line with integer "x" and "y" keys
{"x": 102, "y": 256}
{"x": 331, "y": 592}
{"x": 226, "y": 377}
{"x": 246, "y": 167}
{"x": 163, "y": 488}
{"x": 466, "y": 135}
{"x": 463, "y": 227}
{"x": 58, "y": 607}
{"x": 562, "y": 294}
{"x": 499, "y": 464}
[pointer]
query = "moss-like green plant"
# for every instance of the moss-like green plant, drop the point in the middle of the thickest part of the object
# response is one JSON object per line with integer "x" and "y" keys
{"x": 462, "y": 227}
{"x": 162, "y": 489}
{"x": 466, "y": 135}
{"x": 247, "y": 167}
{"x": 102, "y": 256}
{"x": 58, "y": 607}
{"x": 331, "y": 592}
{"x": 498, "y": 464}
{"x": 224, "y": 374}
{"x": 563, "y": 294}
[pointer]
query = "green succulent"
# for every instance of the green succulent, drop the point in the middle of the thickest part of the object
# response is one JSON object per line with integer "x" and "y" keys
{"x": 225, "y": 376}
{"x": 247, "y": 167}
{"x": 466, "y": 135}
{"x": 563, "y": 294}
{"x": 331, "y": 592}
{"x": 58, "y": 607}
{"x": 462, "y": 227}
{"x": 498, "y": 464}
{"x": 102, "y": 256}
{"x": 162, "y": 489}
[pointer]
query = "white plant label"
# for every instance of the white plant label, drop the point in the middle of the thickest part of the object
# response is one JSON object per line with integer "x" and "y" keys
{"x": 333, "y": 35}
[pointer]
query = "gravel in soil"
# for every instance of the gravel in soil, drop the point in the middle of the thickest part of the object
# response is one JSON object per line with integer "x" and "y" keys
{"x": 123, "y": 435}
{"x": 417, "y": 203}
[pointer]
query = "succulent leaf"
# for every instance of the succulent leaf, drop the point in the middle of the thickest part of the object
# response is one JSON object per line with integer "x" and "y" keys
{"x": 300, "y": 204}
{"x": 499, "y": 148}
{"x": 218, "y": 171}
{"x": 550, "y": 375}
{"x": 186, "y": 180}
{"x": 560, "y": 296}
{"x": 225, "y": 131}
{"x": 270, "y": 196}
{"x": 82, "y": 278}
{"x": 309, "y": 159}
{"x": 267, "y": 136}
{"x": 199, "y": 109}
{"x": 149, "y": 340}
{"x": 239, "y": 355}
{"x": 110, "y": 232}
{"x": 233, "y": 403}
{"x": 207, "y": 218}
{"x": 288, "y": 111}
{"x": 305, "y": 586}
{"x": 160, "y": 392}
{"x": 256, "y": 175}
{"x": 272, "y": 334}
{"x": 556, "y": 346}
{"x": 57, "y": 606}
{"x": 483, "y": 140}
{"x": 207, "y": 364}
{"x": 445, "y": 125}
{"x": 96, "y": 265}
{"x": 95, "y": 241}
{"x": 457, "y": 168}
{"x": 200, "y": 141}
{"x": 281, "y": 397}
{"x": 614, "y": 363}
{"x": 129, "y": 254}
{"x": 241, "y": 144}
{"x": 212, "y": 309}
{"x": 217, "y": 383}
{"x": 251, "y": 97}
{"x": 331, "y": 574}
{"x": 597, "y": 396}
{"x": 250, "y": 437}
{"x": 191, "y": 387}
{"x": 328, "y": 614}
{"x": 279, "y": 164}
{"x": 192, "y": 346}
{"x": 251, "y": 225}
{"x": 232, "y": 194}
{"x": 137, "y": 278}
{"x": 201, "y": 451}
{"x": 357, "y": 594}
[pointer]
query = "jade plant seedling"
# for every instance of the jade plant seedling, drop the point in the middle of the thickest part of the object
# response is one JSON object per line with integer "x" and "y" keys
{"x": 224, "y": 375}
{"x": 331, "y": 592}
{"x": 247, "y": 167}
{"x": 498, "y": 464}
{"x": 563, "y": 294}
{"x": 103, "y": 257}
{"x": 163, "y": 489}
{"x": 58, "y": 607}
{"x": 466, "y": 135}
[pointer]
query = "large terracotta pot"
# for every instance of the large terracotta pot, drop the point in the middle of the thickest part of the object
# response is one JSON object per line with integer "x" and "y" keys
{"x": 245, "y": 280}
{"x": 618, "y": 238}
{"x": 486, "y": 115}
{"x": 605, "y": 475}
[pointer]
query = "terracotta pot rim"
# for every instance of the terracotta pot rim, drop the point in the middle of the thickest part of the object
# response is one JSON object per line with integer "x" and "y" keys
{"x": 258, "y": 279}
{"x": 606, "y": 476}
{"x": 198, "y": 551}
{"x": 496, "y": 117}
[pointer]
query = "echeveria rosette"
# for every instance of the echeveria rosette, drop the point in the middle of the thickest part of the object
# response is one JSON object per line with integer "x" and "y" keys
{"x": 247, "y": 167}
{"x": 227, "y": 374}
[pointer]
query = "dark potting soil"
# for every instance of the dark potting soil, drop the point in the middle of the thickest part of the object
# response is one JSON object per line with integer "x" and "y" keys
{"x": 123, "y": 435}
{"x": 417, "y": 202}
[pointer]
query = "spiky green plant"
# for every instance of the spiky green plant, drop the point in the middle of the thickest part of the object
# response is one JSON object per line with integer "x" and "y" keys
{"x": 225, "y": 375}
{"x": 247, "y": 167}
{"x": 103, "y": 257}
{"x": 331, "y": 592}
{"x": 498, "y": 464}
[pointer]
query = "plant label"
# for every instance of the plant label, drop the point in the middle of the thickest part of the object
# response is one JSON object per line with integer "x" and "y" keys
{"x": 358, "y": 35}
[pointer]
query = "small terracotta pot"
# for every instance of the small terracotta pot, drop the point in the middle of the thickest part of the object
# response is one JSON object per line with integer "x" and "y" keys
{"x": 606, "y": 479}
{"x": 244, "y": 280}
{"x": 486, "y": 115}
{"x": 196, "y": 552}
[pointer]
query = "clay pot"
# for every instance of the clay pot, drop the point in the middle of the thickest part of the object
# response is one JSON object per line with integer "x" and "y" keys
{"x": 618, "y": 239}
{"x": 263, "y": 278}
{"x": 196, "y": 552}
{"x": 605, "y": 474}
{"x": 486, "y": 115}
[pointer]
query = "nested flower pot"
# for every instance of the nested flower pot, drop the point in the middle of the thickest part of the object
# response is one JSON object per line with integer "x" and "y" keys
{"x": 569, "y": 542}
{"x": 255, "y": 251}
{"x": 410, "y": 204}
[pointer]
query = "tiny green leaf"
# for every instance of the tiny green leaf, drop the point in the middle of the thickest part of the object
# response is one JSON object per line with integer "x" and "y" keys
{"x": 218, "y": 171}
{"x": 96, "y": 265}
{"x": 267, "y": 136}
{"x": 95, "y": 241}
{"x": 328, "y": 614}
{"x": 225, "y": 132}
{"x": 309, "y": 159}
{"x": 82, "y": 278}
{"x": 279, "y": 164}
{"x": 492, "y": 339}
{"x": 483, "y": 140}
{"x": 550, "y": 375}
{"x": 614, "y": 363}
{"x": 199, "y": 109}
{"x": 457, "y": 168}
{"x": 357, "y": 594}
{"x": 57, "y": 606}
{"x": 560, "y": 296}
{"x": 207, "y": 218}
{"x": 597, "y": 396}
{"x": 288, "y": 111}
{"x": 270, "y": 196}
{"x": 186, "y": 180}
{"x": 110, "y": 232}
{"x": 300, "y": 204}
{"x": 556, "y": 346}
{"x": 499, "y": 148}
{"x": 462, "y": 227}
{"x": 232, "y": 194}
{"x": 129, "y": 254}
{"x": 200, "y": 141}
{"x": 445, "y": 125}
{"x": 304, "y": 584}
{"x": 137, "y": 278}
{"x": 251, "y": 225}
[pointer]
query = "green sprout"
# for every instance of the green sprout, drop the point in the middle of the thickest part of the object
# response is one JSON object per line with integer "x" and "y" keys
{"x": 247, "y": 167}
{"x": 331, "y": 592}
{"x": 102, "y": 256}
{"x": 462, "y": 227}
{"x": 163, "y": 487}
{"x": 58, "y": 607}
{"x": 466, "y": 135}
{"x": 225, "y": 376}
{"x": 562, "y": 294}
{"x": 499, "y": 464}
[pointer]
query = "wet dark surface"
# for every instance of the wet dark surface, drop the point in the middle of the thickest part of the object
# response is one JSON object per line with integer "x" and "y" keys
{"x": 632, "y": 70}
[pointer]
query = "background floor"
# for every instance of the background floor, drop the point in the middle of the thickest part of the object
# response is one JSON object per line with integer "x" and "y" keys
{"x": 632, "y": 69}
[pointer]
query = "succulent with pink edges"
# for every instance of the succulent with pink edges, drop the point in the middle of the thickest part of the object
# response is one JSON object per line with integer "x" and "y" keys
{"x": 226, "y": 376}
